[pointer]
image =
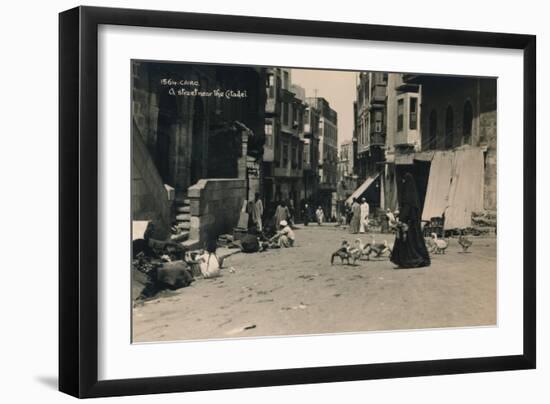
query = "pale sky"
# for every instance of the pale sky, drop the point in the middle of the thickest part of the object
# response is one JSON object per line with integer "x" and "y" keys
{"x": 337, "y": 87}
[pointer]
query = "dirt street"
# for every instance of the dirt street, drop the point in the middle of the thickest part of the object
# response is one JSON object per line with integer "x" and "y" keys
{"x": 296, "y": 291}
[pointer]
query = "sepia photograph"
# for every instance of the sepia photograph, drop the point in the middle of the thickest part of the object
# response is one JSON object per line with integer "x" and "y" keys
{"x": 279, "y": 201}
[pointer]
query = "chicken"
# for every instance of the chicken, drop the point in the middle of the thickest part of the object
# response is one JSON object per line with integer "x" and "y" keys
{"x": 464, "y": 242}
{"x": 430, "y": 244}
{"x": 346, "y": 252}
{"x": 440, "y": 244}
{"x": 376, "y": 248}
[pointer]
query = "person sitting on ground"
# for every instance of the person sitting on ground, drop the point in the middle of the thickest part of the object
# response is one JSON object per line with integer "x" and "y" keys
{"x": 250, "y": 243}
{"x": 285, "y": 236}
{"x": 209, "y": 262}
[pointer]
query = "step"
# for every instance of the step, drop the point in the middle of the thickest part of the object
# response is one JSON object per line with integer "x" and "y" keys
{"x": 183, "y": 217}
{"x": 184, "y": 225}
{"x": 183, "y": 209}
{"x": 191, "y": 244}
{"x": 183, "y": 236}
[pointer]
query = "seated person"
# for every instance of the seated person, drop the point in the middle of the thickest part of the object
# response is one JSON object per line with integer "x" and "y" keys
{"x": 285, "y": 236}
{"x": 208, "y": 261}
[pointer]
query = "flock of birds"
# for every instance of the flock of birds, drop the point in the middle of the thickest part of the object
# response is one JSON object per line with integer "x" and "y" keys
{"x": 351, "y": 253}
{"x": 439, "y": 245}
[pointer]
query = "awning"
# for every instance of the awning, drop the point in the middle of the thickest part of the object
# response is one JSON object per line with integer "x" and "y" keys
{"x": 362, "y": 188}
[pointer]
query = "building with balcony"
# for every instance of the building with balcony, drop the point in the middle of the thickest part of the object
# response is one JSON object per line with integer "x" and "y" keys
{"x": 370, "y": 109}
{"x": 444, "y": 133}
{"x": 327, "y": 152}
{"x": 283, "y": 163}
{"x": 345, "y": 160}
{"x": 370, "y": 120}
{"x": 311, "y": 153}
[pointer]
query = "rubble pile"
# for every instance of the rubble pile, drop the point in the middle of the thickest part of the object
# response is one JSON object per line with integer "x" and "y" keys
{"x": 484, "y": 222}
{"x": 150, "y": 275}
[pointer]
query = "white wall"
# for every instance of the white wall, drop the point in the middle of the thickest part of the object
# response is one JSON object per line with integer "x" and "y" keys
{"x": 28, "y": 159}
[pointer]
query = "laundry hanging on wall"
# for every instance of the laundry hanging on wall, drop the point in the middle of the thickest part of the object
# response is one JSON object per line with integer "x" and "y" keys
{"x": 455, "y": 187}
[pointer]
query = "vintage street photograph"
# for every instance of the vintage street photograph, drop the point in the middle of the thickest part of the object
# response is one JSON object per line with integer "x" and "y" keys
{"x": 279, "y": 201}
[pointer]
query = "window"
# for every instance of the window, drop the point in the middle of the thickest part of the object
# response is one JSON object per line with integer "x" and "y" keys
{"x": 413, "y": 113}
{"x": 285, "y": 155}
{"x": 467, "y": 122}
{"x": 271, "y": 86}
{"x": 400, "y": 115}
{"x": 285, "y": 80}
{"x": 378, "y": 121}
{"x": 449, "y": 125}
{"x": 268, "y": 134}
{"x": 285, "y": 113}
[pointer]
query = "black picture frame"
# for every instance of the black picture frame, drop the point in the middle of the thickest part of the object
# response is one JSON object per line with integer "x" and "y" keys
{"x": 78, "y": 206}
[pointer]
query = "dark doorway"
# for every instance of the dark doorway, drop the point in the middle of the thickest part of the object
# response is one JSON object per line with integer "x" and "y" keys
{"x": 167, "y": 124}
{"x": 467, "y": 122}
{"x": 432, "y": 138}
{"x": 197, "y": 143}
{"x": 420, "y": 171}
{"x": 449, "y": 126}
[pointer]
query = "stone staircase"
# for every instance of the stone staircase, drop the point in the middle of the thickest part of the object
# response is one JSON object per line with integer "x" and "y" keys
{"x": 183, "y": 223}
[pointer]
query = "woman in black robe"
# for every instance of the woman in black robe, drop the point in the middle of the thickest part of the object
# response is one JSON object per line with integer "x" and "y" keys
{"x": 409, "y": 249}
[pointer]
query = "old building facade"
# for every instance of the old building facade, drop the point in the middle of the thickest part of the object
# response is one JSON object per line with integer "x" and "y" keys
{"x": 328, "y": 154}
{"x": 370, "y": 116}
{"x": 283, "y": 156}
{"x": 442, "y": 129}
{"x": 195, "y": 122}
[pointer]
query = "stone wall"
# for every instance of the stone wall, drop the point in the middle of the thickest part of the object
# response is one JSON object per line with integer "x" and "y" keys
{"x": 150, "y": 198}
{"x": 215, "y": 206}
{"x": 440, "y": 93}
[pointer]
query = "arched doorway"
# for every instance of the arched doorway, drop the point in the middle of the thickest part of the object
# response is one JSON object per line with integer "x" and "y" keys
{"x": 449, "y": 125}
{"x": 197, "y": 142}
{"x": 467, "y": 122}
{"x": 432, "y": 137}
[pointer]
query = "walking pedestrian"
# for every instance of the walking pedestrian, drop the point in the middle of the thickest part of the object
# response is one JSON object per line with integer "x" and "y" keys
{"x": 409, "y": 250}
{"x": 355, "y": 218}
{"x": 364, "y": 224}
{"x": 320, "y": 215}
{"x": 306, "y": 214}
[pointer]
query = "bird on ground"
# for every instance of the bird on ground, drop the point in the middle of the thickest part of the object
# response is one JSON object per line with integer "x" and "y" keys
{"x": 440, "y": 244}
{"x": 464, "y": 242}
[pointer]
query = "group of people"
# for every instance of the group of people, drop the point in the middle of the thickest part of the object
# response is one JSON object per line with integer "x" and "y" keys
{"x": 359, "y": 216}
{"x": 409, "y": 249}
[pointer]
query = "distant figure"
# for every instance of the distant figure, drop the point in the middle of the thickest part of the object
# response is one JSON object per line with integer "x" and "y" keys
{"x": 388, "y": 225}
{"x": 320, "y": 215}
{"x": 257, "y": 212}
{"x": 281, "y": 213}
{"x": 409, "y": 250}
{"x": 285, "y": 236}
{"x": 355, "y": 217}
{"x": 306, "y": 214}
{"x": 364, "y": 223}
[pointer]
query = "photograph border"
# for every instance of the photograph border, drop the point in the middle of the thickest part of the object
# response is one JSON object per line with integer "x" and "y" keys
{"x": 78, "y": 192}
